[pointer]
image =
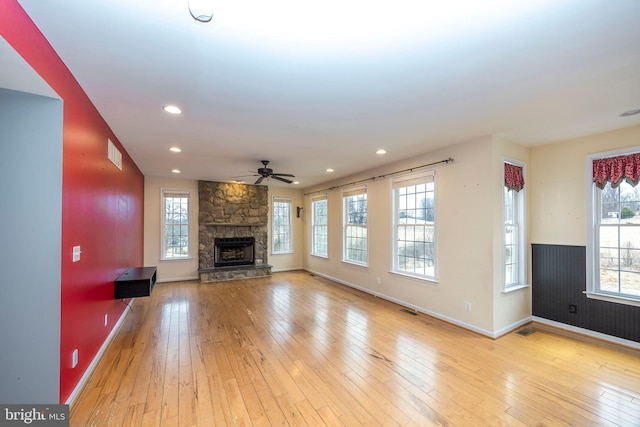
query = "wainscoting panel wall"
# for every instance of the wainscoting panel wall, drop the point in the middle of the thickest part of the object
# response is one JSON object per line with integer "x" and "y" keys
{"x": 559, "y": 282}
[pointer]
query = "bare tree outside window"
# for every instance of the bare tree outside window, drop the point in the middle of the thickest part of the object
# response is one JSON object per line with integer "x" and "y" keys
{"x": 618, "y": 236}
{"x": 281, "y": 226}
{"x": 415, "y": 225}
{"x": 355, "y": 227}
{"x": 175, "y": 225}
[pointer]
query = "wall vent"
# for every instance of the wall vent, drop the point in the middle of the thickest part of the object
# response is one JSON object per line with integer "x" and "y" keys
{"x": 114, "y": 154}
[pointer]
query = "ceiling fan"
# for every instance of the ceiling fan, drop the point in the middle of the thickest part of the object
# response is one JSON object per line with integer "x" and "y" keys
{"x": 265, "y": 172}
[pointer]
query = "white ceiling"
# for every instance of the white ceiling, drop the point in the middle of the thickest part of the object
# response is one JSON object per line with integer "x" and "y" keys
{"x": 312, "y": 85}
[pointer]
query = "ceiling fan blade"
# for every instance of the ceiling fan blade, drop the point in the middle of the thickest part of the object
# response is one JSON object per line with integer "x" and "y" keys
{"x": 283, "y": 174}
{"x": 274, "y": 176}
{"x": 259, "y": 180}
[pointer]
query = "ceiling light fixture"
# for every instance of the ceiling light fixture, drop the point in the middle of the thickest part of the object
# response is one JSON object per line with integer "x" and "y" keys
{"x": 201, "y": 10}
{"x": 329, "y": 170}
{"x": 296, "y": 182}
{"x": 172, "y": 109}
{"x": 381, "y": 152}
{"x": 175, "y": 149}
{"x": 175, "y": 170}
{"x": 630, "y": 113}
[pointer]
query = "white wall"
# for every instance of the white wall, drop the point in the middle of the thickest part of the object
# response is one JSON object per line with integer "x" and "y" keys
{"x": 511, "y": 308}
{"x": 292, "y": 261}
{"x": 469, "y": 239}
{"x": 558, "y": 193}
{"x": 173, "y": 270}
{"x": 31, "y": 169}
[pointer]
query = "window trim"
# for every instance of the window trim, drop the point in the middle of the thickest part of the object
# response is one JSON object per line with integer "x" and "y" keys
{"x": 592, "y": 249}
{"x": 522, "y": 235}
{"x": 282, "y": 199}
{"x": 405, "y": 180}
{"x": 313, "y": 220}
{"x": 163, "y": 248}
{"x": 354, "y": 191}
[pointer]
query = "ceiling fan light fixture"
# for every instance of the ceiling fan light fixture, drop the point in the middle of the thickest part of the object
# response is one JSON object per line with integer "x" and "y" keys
{"x": 201, "y": 10}
{"x": 267, "y": 173}
{"x": 630, "y": 113}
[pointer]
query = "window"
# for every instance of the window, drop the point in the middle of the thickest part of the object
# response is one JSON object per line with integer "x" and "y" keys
{"x": 281, "y": 225}
{"x": 514, "y": 255}
{"x": 614, "y": 245}
{"x": 354, "y": 204}
{"x": 175, "y": 224}
{"x": 414, "y": 218}
{"x": 319, "y": 227}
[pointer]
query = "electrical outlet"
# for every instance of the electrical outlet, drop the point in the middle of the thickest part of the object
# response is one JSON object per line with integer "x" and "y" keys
{"x": 106, "y": 319}
{"x": 467, "y": 306}
{"x": 74, "y": 358}
{"x": 378, "y": 280}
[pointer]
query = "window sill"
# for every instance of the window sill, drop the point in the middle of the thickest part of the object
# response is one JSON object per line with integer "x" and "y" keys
{"x": 433, "y": 282}
{"x": 186, "y": 258}
{"x": 613, "y": 298}
{"x": 515, "y": 288}
{"x": 281, "y": 253}
{"x": 320, "y": 256}
{"x": 357, "y": 264}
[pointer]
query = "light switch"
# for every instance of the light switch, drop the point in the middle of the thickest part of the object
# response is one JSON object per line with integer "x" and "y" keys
{"x": 76, "y": 253}
{"x": 74, "y": 358}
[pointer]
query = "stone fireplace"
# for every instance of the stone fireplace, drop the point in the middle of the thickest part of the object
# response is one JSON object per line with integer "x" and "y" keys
{"x": 232, "y": 231}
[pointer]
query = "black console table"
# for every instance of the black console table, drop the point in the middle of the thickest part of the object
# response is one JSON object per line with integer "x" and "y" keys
{"x": 135, "y": 282}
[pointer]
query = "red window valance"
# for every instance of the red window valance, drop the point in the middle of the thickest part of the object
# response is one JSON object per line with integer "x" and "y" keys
{"x": 616, "y": 169}
{"x": 513, "y": 177}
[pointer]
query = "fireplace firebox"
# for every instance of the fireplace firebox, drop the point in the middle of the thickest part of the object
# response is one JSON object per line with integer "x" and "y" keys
{"x": 231, "y": 251}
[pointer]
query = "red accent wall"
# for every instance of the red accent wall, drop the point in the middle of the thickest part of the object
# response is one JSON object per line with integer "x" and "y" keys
{"x": 102, "y": 207}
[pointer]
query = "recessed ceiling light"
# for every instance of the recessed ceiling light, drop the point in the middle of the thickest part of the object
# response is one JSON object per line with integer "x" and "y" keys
{"x": 172, "y": 109}
{"x": 381, "y": 152}
{"x": 329, "y": 170}
{"x": 175, "y": 170}
{"x": 175, "y": 149}
{"x": 296, "y": 182}
{"x": 630, "y": 113}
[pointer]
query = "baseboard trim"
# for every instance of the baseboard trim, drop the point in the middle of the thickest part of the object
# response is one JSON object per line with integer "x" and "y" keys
{"x": 281, "y": 270}
{"x": 510, "y": 328}
{"x": 586, "y": 333}
{"x": 178, "y": 279}
{"x": 422, "y": 310}
{"x": 98, "y": 355}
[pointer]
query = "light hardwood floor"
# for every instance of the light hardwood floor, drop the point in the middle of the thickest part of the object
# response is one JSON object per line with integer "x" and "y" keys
{"x": 297, "y": 350}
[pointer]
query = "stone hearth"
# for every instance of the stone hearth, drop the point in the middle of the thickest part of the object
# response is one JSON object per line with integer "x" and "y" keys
{"x": 232, "y": 211}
